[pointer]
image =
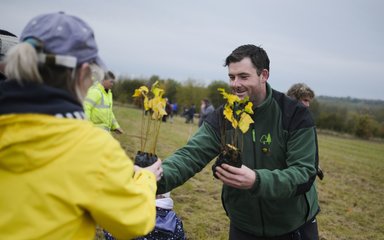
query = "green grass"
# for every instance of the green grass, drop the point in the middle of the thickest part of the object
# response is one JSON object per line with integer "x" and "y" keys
{"x": 351, "y": 194}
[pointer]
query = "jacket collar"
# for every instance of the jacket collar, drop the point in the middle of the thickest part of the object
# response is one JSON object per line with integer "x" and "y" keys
{"x": 39, "y": 99}
{"x": 267, "y": 101}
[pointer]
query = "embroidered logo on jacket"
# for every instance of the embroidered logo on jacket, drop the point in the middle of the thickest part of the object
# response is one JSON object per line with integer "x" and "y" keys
{"x": 266, "y": 141}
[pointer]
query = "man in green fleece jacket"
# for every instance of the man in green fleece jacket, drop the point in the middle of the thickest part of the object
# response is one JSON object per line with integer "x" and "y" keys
{"x": 273, "y": 194}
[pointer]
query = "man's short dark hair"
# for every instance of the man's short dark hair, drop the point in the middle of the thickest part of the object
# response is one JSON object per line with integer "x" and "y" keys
{"x": 257, "y": 55}
{"x": 109, "y": 75}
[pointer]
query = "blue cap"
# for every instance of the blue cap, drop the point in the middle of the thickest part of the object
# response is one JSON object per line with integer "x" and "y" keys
{"x": 63, "y": 34}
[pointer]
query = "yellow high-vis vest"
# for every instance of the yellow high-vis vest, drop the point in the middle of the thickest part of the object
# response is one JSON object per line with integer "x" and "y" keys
{"x": 98, "y": 108}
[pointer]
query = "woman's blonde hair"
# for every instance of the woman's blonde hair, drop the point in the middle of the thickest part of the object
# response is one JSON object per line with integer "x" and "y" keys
{"x": 22, "y": 65}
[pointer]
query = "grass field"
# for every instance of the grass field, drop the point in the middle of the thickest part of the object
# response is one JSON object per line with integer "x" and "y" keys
{"x": 351, "y": 194}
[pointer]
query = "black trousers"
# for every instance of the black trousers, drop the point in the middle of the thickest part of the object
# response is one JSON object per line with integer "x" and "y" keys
{"x": 308, "y": 231}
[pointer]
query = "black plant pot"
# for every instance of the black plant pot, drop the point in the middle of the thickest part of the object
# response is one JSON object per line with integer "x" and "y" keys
{"x": 144, "y": 159}
{"x": 229, "y": 155}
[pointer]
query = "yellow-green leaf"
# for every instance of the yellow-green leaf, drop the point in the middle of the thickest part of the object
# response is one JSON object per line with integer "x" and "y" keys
{"x": 248, "y": 108}
{"x": 245, "y": 121}
{"x": 235, "y": 123}
{"x": 232, "y": 99}
{"x": 142, "y": 91}
{"x": 158, "y": 107}
{"x": 137, "y": 93}
{"x": 146, "y": 103}
{"x": 158, "y": 92}
{"x": 228, "y": 113}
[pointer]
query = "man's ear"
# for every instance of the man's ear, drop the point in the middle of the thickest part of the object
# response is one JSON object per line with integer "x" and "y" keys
{"x": 265, "y": 75}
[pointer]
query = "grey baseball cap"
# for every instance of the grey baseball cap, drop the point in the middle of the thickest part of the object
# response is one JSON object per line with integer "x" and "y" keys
{"x": 66, "y": 35}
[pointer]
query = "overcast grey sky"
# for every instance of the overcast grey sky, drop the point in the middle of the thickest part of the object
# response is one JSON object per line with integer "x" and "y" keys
{"x": 335, "y": 46}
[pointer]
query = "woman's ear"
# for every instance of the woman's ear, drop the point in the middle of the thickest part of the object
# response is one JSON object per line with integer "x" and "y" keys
{"x": 83, "y": 80}
{"x": 85, "y": 74}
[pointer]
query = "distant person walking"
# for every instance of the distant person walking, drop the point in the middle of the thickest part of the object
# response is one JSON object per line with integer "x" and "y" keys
{"x": 205, "y": 109}
{"x": 190, "y": 114}
{"x": 175, "y": 108}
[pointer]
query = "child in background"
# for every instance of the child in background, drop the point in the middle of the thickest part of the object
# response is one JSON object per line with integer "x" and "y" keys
{"x": 168, "y": 225}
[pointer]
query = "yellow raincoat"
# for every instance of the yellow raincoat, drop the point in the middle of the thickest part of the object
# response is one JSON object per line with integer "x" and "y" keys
{"x": 58, "y": 177}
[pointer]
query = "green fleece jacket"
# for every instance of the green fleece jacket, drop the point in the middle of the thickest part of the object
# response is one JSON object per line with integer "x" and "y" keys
{"x": 281, "y": 147}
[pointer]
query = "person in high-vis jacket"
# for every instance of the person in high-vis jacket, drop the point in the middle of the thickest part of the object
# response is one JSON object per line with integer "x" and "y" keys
{"x": 60, "y": 175}
{"x": 272, "y": 195}
{"x": 98, "y": 104}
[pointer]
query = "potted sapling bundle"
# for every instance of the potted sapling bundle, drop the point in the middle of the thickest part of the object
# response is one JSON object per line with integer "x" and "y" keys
{"x": 237, "y": 112}
{"x": 153, "y": 105}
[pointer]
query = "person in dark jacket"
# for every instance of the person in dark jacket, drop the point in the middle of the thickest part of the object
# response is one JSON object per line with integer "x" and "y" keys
{"x": 304, "y": 94}
{"x": 205, "y": 109}
{"x": 190, "y": 114}
{"x": 272, "y": 195}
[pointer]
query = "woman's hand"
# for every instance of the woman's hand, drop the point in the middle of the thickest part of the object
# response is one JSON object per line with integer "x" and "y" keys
{"x": 155, "y": 168}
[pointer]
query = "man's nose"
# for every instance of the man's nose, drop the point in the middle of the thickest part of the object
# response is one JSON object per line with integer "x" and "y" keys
{"x": 235, "y": 82}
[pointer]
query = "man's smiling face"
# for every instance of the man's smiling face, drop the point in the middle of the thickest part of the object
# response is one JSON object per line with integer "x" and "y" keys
{"x": 244, "y": 80}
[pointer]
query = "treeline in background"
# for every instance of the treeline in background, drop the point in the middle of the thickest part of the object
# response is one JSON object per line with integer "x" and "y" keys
{"x": 358, "y": 117}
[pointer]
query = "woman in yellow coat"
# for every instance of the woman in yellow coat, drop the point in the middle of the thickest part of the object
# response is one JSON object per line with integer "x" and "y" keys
{"x": 59, "y": 174}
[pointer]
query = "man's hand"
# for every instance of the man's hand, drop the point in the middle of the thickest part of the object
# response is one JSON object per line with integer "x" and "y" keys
{"x": 118, "y": 131}
{"x": 242, "y": 178}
